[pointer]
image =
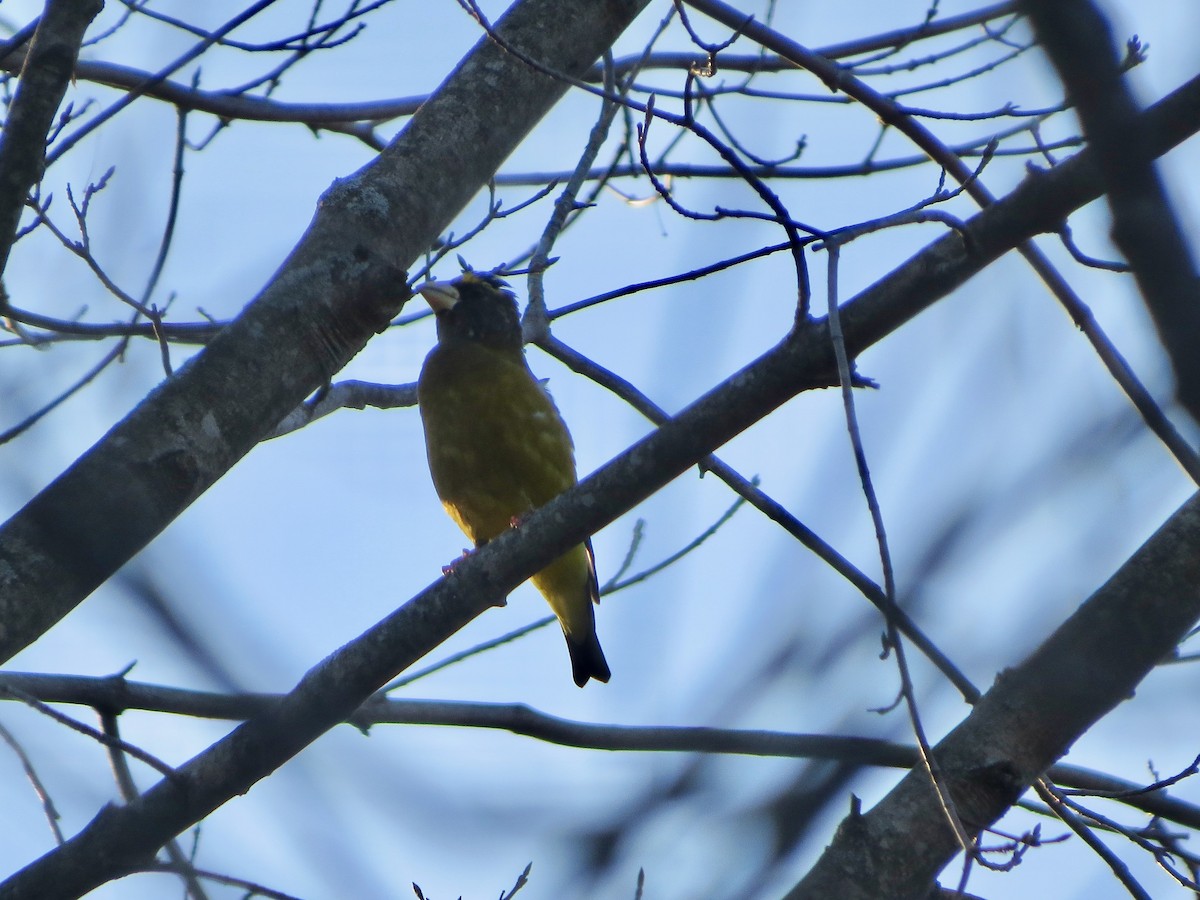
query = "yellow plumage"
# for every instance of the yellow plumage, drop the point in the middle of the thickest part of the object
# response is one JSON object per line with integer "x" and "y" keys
{"x": 498, "y": 447}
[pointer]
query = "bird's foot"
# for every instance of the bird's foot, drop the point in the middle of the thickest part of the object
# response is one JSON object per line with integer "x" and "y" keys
{"x": 447, "y": 569}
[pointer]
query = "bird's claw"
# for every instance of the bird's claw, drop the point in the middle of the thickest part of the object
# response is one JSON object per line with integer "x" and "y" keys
{"x": 447, "y": 569}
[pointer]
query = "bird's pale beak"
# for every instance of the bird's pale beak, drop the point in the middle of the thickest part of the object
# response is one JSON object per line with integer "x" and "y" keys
{"x": 440, "y": 295}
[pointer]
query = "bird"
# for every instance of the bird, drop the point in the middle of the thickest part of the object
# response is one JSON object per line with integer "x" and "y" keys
{"x": 498, "y": 447}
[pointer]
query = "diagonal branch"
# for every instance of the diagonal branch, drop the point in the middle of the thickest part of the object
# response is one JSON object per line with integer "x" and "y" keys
{"x": 893, "y": 115}
{"x": 342, "y": 284}
{"x": 43, "y": 82}
{"x": 1024, "y": 723}
{"x": 1145, "y": 227}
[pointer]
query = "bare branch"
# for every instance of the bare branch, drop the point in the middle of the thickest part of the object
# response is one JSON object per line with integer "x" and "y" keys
{"x": 43, "y": 82}
{"x": 1025, "y": 722}
{"x": 1145, "y": 227}
{"x": 341, "y": 285}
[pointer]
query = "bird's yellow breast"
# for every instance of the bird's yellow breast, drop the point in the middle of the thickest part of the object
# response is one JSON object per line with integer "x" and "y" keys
{"x": 497, "y": 446}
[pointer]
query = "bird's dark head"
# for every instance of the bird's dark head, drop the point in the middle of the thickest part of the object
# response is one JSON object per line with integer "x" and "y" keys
{"x": 475, "y": 306}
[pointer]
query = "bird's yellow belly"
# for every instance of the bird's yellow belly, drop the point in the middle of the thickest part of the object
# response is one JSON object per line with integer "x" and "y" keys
{"x": 495, "y": 454}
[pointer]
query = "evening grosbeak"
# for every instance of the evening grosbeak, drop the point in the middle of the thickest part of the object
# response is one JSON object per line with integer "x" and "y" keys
{"x": 498, "y": 447}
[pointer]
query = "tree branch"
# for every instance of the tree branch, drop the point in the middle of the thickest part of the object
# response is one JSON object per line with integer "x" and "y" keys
{"x": 342, "y": 284}
{"x": 40, "y": 89}
{"x": 1029, "y": 719}
{"x": 1145, "y": 228}
{"x": 116, "y": 694}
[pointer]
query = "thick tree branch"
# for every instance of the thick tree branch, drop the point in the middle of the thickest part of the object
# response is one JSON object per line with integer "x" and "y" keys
{"x": 1145, "y": 228}
{"x": 1024, "y": 723}
{"x": 892, "y": 114}
{"x": 118, "y": 840}
{"x": 342, "y": 284}
{"x": 40, "y": 89}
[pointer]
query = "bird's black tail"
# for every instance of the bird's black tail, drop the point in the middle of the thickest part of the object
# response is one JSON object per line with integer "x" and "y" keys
{"x": 587, "y": 659}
